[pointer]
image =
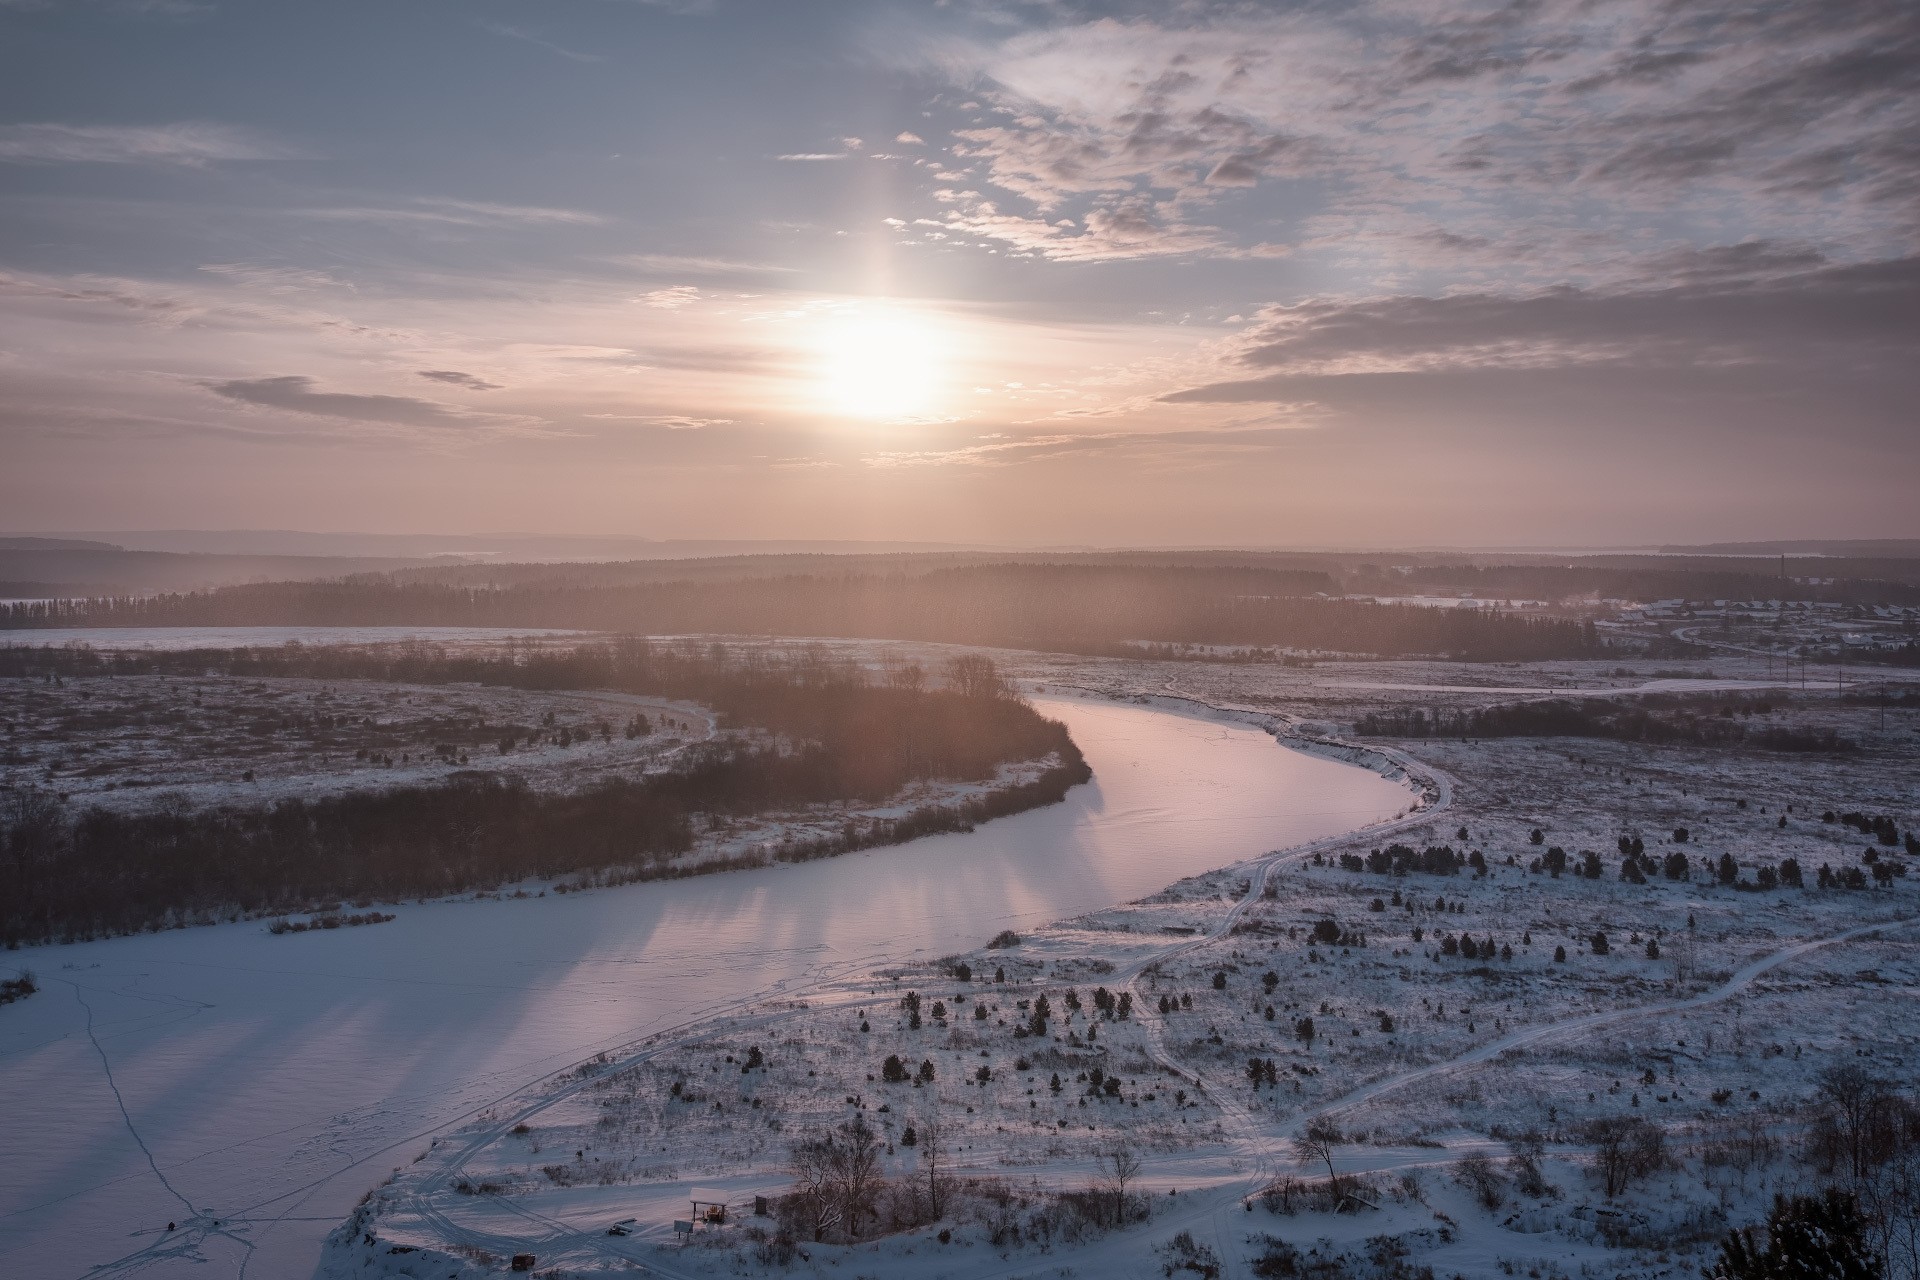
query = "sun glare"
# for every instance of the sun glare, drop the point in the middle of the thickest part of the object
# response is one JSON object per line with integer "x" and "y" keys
{"x": 883, "y": 364}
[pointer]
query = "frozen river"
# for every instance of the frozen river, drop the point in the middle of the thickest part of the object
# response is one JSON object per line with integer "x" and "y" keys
{"x": 270, "y": 1081}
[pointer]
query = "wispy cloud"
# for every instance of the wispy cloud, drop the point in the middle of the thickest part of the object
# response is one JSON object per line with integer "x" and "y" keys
{"x": 455, "y": 378}
{"x": 687, "y": 264}
{"x": 516, "y": 33}
{"x": 194, "y": 144}
{"x": 292, "y": 393}
{"x": 271, "y": 279}
{"x": 671, "y": 298}
{"x": 460, "y": 213}
{"x": 671, "y": 421}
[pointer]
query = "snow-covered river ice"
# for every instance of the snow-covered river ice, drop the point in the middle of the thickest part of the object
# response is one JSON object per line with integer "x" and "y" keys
{"x": 269, "y": 1081}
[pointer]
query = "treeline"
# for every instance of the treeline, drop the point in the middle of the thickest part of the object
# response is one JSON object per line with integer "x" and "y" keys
{"x": 1646, "y": 579}
{"x": 1624, "y": 721}
{"x": 97, "y": 873}
{"x": 1064, "y": 608}
{"x": 880, "y": 733}
{"x": 70, "y": 873}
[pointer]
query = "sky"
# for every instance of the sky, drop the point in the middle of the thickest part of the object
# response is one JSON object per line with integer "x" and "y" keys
{"x": 1365, "y": 272}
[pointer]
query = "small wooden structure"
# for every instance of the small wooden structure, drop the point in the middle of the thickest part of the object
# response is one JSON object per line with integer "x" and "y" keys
{"x": 709, "y": 1207}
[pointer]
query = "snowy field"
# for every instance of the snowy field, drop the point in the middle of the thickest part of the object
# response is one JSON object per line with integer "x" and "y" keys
{"x": 1460, "y": 1088}
{"x": 127, "y": 742}
{"x": 250, "y": 1088}
{"x": 267, "y": 637}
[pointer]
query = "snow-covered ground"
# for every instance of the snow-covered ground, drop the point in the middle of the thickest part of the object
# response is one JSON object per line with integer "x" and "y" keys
{"x": 266, "y": 637}
{"x": 1420, "y": 1057}
{"x": 250, "y": 1088}
{"x": 128, "y": 741}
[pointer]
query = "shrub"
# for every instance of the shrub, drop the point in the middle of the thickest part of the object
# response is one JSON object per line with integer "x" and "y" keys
{"x": 1183, "y": 1253}
{"x": 1476, "y": 1173}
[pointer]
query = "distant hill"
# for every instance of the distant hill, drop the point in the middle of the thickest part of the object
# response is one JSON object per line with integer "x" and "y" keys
{"x": 84, "y": 568}
{"x": 518, "y": 547}
{"x": 55, "y": 544}
{"x": 1866, "y": 548}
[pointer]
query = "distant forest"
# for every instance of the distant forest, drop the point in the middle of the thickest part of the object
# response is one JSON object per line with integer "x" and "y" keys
{"x": 1648, "y": 579}
{"x": 1071, "y": 608}
{"x": 1714, "y": 722}
{"x": 73, "y": 873}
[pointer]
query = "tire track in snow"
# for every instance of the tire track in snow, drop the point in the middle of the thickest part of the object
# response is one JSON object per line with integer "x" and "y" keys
{"x": 1742, "y": 978}
{"x": 132, "y": 1129}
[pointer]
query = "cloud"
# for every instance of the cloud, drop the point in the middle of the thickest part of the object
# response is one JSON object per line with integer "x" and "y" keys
{"x": 1709, "y": 350}
{"x": 671, "y": 421}
{"x": 715, "y": 359}
{"x": 461, "y": 213}
{"x": 1585, "y": 121}
{"x": 515, "y": 33}
{"x": 296, "y": 394}
{"x": 455, "y": 378}
{"x": 910, "y": 139}
{"x": 271, "y": 279}
{"x": 1131, "y": 228}
{"x": 687, "y": 264}
{"x": 1180, "y": 448}
{"x": 671, "y": 298}
{"x": 192, "y": 144}
{"x": 813, "y": 155}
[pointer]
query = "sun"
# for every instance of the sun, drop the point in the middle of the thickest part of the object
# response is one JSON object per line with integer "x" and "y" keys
{"x": 882, "y": 364}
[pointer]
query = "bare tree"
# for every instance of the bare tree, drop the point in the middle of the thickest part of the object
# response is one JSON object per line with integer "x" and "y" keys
{"x": 973, "y": 675}
{"x": 1315, "y": 1146}
{"x": 1625, "y": 1148}
{"x": 811, "y": 1207}
{"x": 1852, "y": 1095}
{"x": 1476, "y": 1173}
{"x": 1525, "y": 1153}
{"x": 1890, "y": 1203}
{"x": 933, "y": 1152}
{"x": 1119, "y": 1167}
{"x": 836, "y": 1178}
{"x": 856, "y": 1173}
{"x": 1683, "y": 955}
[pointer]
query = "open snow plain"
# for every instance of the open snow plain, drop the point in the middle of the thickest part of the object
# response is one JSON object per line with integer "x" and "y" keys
{"x": 249, "y": 1088}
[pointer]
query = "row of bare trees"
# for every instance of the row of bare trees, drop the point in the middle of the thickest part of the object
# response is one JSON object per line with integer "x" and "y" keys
{"x": 842, "y": 1192}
